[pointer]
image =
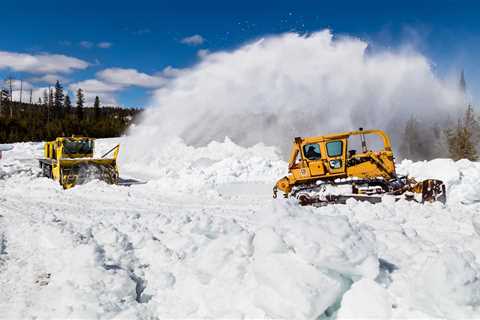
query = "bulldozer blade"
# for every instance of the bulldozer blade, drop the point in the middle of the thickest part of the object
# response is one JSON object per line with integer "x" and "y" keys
{"x": 433, "y": 190}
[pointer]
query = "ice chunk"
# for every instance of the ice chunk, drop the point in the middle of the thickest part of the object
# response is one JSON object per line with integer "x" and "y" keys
{"x": 366, "y": 299}
{"x": 449, "y": 285}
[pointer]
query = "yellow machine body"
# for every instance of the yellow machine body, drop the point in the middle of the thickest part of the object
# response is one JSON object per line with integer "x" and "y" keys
{"x": 332, "y": 162}
{"x": 327, "y": 159}
{"x": 66, "y": 159}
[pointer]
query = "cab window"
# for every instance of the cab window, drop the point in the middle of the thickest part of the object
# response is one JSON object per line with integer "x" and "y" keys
{"x": 77, "y": 146}
{"x": 334, "y": 148}
{"x": 312, "y": 151}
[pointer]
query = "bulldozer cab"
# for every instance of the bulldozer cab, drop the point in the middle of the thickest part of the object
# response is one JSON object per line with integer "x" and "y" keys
{"x": 334, "y": 156}
{"x": 70, "y": 147}
{"x": 312, "y": 157}
{"x": 78, "y": 147}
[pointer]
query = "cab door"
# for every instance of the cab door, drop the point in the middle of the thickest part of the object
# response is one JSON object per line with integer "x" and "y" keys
{"x": 312, "y": 154}
{"x": 335, "y": 151}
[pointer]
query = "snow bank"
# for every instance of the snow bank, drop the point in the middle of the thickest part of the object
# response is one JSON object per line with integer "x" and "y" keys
{"x": 449, "y": 284}
{"x": 221, "y": 269}
{"x": 461, "y": 177}
{"x": 306, "y": 262}
{"x": 204, "y": 239}
{"x": 18, "y": 160}
{"x": 178, "y": 168}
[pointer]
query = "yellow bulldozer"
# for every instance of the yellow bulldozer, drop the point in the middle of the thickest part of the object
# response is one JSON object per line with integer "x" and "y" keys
{"x": 70, "y": 161}
{"x": 328, "y": 169}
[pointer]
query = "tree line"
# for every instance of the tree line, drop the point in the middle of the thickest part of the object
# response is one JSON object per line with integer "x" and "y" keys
{"x": 456, "y": 139}
{"x": 54, "y": 115}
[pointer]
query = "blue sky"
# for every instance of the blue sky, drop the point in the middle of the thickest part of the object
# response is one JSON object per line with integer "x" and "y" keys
{"x": 120, "y": 50}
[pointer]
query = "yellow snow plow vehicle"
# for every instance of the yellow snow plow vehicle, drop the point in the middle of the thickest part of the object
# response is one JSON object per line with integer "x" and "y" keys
{"x": 328, "y": 169}
{"x": 70, "y": 161}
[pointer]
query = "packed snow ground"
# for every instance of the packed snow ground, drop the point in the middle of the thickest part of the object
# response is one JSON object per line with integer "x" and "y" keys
{"x": 204, "y": 238}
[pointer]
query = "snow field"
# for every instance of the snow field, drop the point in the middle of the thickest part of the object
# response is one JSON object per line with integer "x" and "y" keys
{"x": 203, "y": 238}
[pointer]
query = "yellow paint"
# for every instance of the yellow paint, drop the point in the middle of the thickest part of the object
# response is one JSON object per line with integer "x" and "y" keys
{"x": 367, "y": 164}
{"x": 63, "y": 165}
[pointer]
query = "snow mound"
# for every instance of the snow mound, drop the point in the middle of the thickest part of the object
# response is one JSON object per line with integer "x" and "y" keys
{"x": 461, "y": 177}
{"x": 316, "y": 257}
{"x": 450, "y": 284}
{"x": 203, "y": 238}
{"x": 181, "y": 169}
{"x": 366, "y": 299}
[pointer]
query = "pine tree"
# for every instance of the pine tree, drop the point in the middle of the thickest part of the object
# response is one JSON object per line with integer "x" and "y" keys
{"x": 45, "y": 97}
{"x": 58, "y": 102}
{"x": 96, "y": 108}
{"x": 463, "y": 139}
{"x": 471, "y": 123}
{"x": 50, "y": 97}
{"x": 462, "y": 85}
{"x": 68, "y": 104}
{"x": 411, "y": 145}
{"x": 80, "y": 103}
{"x": 46, "y": 105}
{"x": 440, "y": 144}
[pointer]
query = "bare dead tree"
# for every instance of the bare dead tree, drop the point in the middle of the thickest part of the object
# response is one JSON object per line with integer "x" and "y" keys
{"x": 9, "y": 81}
{"x": 21, "y": 90}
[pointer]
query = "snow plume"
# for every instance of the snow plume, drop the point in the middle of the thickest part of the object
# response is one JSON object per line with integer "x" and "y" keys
{"x": 279, "y": 87}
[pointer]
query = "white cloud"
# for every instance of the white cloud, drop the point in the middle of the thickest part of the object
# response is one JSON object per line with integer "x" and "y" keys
{"x": 104, "y": 45}
{"x": 202, "y": 53}
{"x": 86, "y": 44}
{"x": 110, "y": 81}
{"x": 90, "y": 44}
{"x": 130, "y": 77}
{"x": 16, "y": 84}
{"x": 92, "y": 88}
{"x": 49, "y": 78}
{"x": 170, "y": 72}
{"x": 194, "y": 40}
{"x": 141, "y": 32}
{"x": 40, "y": 63}
{"x": 36, "y": 93}
{"x": 106, "y": 99}
{"x": 94, "y": 85}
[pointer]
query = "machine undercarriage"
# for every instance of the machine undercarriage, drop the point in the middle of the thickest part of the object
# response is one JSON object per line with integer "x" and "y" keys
{"x": 373, "y": 191}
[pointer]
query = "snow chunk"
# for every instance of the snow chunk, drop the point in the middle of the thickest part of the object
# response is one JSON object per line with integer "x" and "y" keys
{"x": 366, "y": 299}
{"x": 267, "y": 241}
{"x": 329, "y": 242}
{"x": 449, "y": 283}
{"x": 476, "y": 223}
{"x": 305, "y": 264}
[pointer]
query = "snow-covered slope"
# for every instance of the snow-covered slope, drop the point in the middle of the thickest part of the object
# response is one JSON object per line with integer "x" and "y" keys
{"x": 204, "y": 238}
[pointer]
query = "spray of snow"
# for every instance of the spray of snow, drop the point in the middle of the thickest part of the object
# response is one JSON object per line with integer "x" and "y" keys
{"x": 292, "y": 85}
